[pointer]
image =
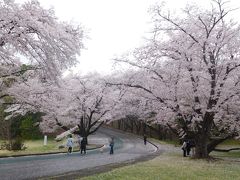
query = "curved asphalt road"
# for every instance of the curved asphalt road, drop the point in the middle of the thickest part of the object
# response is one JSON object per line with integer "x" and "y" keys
{"x": 127, "y": 147}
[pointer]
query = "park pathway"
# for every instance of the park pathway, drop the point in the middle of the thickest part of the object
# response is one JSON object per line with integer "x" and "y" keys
{"x": 128, "y": 148}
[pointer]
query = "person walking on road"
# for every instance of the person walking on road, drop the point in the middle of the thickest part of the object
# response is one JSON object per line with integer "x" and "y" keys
{"x": 145, "y": 139}
{"x": 111, "y": 144}
{"x": 83, "y": 145}
{"x": 70, "y": 144}
{"x": 79, "y": 142}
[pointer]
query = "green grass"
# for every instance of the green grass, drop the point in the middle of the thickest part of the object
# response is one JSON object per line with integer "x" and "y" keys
{"x": 231, "y": 154}
{"x": 36, "y": 147}
{"x": 231, "y": 142}
{"x": 172, "y": 165}
{"x": 228, "y": 145}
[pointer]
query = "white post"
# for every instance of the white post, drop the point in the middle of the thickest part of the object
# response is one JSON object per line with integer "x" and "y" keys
{"x": 45, "y": 140}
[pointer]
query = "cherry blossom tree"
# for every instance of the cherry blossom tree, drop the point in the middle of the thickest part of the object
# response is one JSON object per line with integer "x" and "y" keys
{"x": 33, "y": 39}
{"x": 136, "y": 109}
{"x": 78, "y": 105}
{"x": 35, "y": 36}
{"x": 90, "y": 104}
{"x": 191, "y": 69}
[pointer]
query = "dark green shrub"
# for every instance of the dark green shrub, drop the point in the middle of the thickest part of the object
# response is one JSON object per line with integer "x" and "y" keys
{"x": 28, "y": 127}
{"x": 13, "y": 144}
{"x": 17, "y": 144}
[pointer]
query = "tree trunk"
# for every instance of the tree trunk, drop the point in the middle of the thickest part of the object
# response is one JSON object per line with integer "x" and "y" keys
{"x": 201, "y": 148}
{"x": 119, "y": 124}
{"x": 138, "y": 126}
{"x": 86, "y": 138}
{"x": 202, "y": 137}
{"x": 144, "y": 128}
{"x": 159, "y": 132}
{"x": 131, "y": 125}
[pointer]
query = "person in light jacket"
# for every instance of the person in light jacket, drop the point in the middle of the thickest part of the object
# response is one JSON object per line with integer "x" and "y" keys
{"x": 184, "y": 148}
{"x": 70, "y": 144}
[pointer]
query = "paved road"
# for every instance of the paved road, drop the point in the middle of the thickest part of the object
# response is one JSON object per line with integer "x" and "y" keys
{"x": 127, "y": 147}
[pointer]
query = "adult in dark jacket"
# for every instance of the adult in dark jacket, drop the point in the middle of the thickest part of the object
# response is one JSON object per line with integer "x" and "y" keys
{"x": 111, "y": 144}
{"x": 83, "y": 145}
{"x": 188, "y": 147}
{"x": 145, "y": 139}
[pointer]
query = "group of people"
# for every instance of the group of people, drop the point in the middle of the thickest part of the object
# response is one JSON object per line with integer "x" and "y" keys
{"x": 187, "y": 146}
{"x": 83, "y": 143}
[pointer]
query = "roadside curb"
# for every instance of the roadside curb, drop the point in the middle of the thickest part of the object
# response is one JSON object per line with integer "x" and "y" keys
{"x": 49, "y": 153}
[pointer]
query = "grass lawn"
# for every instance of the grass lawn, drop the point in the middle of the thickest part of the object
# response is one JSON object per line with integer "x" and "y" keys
{"x": 171, "y": 165}
{"x": 231, "y": 142}
{"x": 36, "y": 147}
{"x": 228, "y": 145}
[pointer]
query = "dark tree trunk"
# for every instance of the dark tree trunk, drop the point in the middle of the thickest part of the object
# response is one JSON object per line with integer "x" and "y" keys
{"x": 201, "y": 148}
{"x": 119, "y": 124}
{"x": 202, "y": 138}
{"x": 144, "y": 128}
{"x": 138, "y": 126}
{"x": 86, "y": 139}
{"x": 131, "y": 125}
{"x": 159, "y": 132}
{"x": 124, "y": 126}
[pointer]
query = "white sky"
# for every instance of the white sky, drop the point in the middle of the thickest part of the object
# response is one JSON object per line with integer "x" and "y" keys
{"x": 115, "y": 26}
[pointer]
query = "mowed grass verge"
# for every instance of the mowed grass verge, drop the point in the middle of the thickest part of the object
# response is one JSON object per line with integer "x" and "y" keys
{"x": 37, "y": 147}
{"x": 171, "y": 165}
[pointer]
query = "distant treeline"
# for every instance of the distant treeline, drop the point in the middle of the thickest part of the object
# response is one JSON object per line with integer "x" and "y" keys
{"x": 133, "y": 125}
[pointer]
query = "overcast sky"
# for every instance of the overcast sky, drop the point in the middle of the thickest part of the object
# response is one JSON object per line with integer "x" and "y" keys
{"x": 114, "y": 26}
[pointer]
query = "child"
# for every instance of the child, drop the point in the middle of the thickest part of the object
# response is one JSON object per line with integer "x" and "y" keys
{"x": 70, "y": 143}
